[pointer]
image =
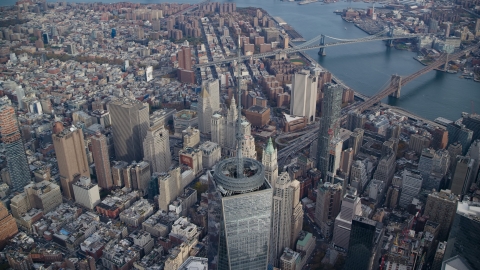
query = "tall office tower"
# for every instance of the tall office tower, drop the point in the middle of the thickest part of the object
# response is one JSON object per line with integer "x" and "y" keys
{"x": 439, "y": 138}
{"x": 474, "y": 153}
{"x": 156, "y": 148}
{"x": 465, "y": 234}
{"x": 393, "y": 193}
{"x": 46, "y": 38}
{"x": 461, "y": 181}
{"x": 441, "y": 162}
{"x": 351, "y": 207}
{"x": 355, "y": 120}
{"x": 141, "y": 176}
{"x": 329, "y": 123}
{"x": 218, "y": 130}
{"x": 358, "y": 176}
{"x": 329, "y": 197}
{"x": 130, "y": 123}
{"x": 454, "y": 150}
{"x": 356, "y": 140}
{"x": 213, "y": 88}
{"x": 14, "y": 150}
{"x": 280, "y": 234}
{"x": 411, "y": 186}
{"x": 269, "y": 160}
{"x": 440, "y": 208}
{"x": 334, "y": 158}
{"x": 101, "y": 160}
{"x": 297, "y": 212}
{"x": 386, "y": 168}
{"x": 231, "y": 125}
{"x": 204, "y": 111}
{"x": 8, "y": 226}
{"x": 458, "y": 132}
{"x": 71, "y": 156}
{"x": 364, "y": 242}
{"x": 472, "y": 120}
{"x": 185, "y": 58}
{"x": 242, "y": 208}
{"x": 170, "y": 187}
{"x": 345, "y": 165}
{"x": 418, "y": 142}
{"x": 304, "y": 95}
{"x": 185, "y": 73}
{"x": 20, "y": 95}
{"x": 426, "y": 161}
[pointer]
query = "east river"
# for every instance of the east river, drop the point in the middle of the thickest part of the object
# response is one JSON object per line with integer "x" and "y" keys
{"x": 366, "y": 67}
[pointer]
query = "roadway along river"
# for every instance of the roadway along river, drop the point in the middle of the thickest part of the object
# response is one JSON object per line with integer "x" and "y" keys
{"x": 367, "y": 67}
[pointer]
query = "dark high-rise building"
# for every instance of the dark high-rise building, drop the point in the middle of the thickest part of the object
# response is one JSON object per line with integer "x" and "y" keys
{"x": 329, "y": 125}
{"x": 440, "y": 208}
{"x": 472, "y": 121}
{"x": 46, "y": 38}
{"x": 14, "y": 149}
{"x": 355, "y": 120}
{"x": 462, "y": 179}
{"x": 114, "y": 33}
{"x": 130, "y": 123}
{"x": 464, "y": 237}
{"x": 460, "y": 133}
{"x": 362, "y": 248}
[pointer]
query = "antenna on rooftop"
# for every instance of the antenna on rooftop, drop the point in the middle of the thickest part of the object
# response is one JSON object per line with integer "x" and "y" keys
{"x": 239, "y": 118}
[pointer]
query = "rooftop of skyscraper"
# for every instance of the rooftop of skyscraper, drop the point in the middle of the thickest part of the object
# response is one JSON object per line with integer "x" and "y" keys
{"x": 469, "y": 209}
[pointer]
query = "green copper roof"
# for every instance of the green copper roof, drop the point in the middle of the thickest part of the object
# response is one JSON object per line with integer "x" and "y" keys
{"x": 269, "y": 148}
{"x": 303, "y": 242}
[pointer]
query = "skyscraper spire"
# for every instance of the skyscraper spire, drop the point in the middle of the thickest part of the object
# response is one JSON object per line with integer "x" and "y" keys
{"x": 239, "y": 118}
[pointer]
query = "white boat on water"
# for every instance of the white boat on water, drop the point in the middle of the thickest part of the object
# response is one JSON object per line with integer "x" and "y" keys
{"x": 304, "y": 2}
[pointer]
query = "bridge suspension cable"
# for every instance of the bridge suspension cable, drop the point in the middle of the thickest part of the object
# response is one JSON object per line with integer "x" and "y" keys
{"x": 384, "y": 31}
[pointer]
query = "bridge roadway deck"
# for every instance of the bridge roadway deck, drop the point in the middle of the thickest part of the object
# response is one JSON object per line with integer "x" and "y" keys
{"x": 392, "y": 88}
{"x": 309, "y": 137}
{"x": 298, "y": 49}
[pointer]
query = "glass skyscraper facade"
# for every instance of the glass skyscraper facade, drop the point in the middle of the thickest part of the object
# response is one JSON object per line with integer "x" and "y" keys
{"x": 464, "y": 238}
{"x": 246, "y": 221}
{"x": 361, "y": 247}
{"x": 239, "y": 216}
{"x": 14, "y": 150}
{"x": 329, "y": 125}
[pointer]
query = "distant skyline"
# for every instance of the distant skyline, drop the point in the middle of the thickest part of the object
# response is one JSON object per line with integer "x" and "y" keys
{"x": 12, "y": 2}
{"x": 365, "y": 67}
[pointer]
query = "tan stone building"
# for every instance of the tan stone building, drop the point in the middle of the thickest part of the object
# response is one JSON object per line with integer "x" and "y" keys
{"x": 71, "y": 156}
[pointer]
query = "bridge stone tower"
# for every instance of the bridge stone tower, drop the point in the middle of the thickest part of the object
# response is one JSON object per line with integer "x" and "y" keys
{"x": 390, "y": 34}
{"x": 322, "y": 50}
{"x": 396, "y": 81}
